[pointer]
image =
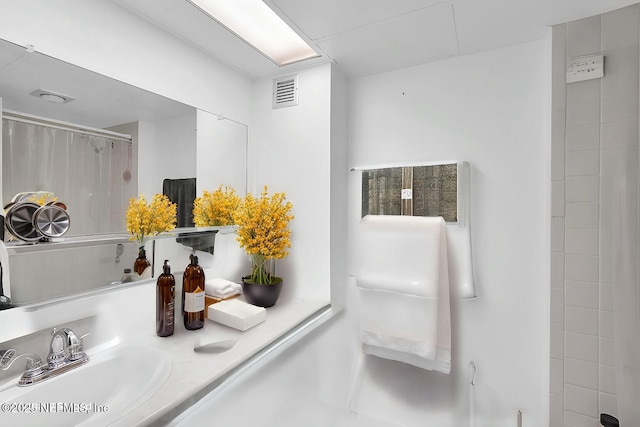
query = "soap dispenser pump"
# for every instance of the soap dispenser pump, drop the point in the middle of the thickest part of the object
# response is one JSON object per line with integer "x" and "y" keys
{"x": 193, "y": 295}
{"x": 165, "y": 301}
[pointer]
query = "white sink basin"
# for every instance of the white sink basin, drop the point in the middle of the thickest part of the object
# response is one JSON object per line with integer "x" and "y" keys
{"x": 113, "y": 383}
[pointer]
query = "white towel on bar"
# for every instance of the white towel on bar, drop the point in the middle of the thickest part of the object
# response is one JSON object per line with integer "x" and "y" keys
{"x": 403, "y": 283}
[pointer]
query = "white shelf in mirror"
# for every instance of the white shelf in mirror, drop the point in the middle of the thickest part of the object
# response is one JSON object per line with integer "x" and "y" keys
{"x": 20, "y": 247}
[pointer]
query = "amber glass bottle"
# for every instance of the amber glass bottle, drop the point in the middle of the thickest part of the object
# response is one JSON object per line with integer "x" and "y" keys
{"x": 165, "y": 301}
{"x": 141, "y": 263}
{"x": 193, "y": 295}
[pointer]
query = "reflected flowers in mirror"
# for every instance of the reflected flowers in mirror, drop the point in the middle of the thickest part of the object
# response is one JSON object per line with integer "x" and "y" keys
{"x": 216, "y": 208}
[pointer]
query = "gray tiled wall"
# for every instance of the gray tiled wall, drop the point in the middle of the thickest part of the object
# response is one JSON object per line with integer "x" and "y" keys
{"x": 594, "y": 131}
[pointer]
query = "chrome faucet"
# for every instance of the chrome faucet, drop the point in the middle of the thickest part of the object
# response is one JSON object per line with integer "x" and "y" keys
{"x": 65, "y": 353}
{"x": 65, "y": 347}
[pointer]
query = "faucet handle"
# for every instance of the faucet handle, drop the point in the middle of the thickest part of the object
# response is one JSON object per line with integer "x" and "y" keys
{"x": 31, "y": 369}
{"x": 34, "y": 366}
{"x": 76, "y": 350}
{"x": 6, "y": 358}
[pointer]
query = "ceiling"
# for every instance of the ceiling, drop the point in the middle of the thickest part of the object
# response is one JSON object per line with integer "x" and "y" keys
{"x": 372, "y": 36}
{"x": 100, "y": 102}
{"x": 362, "y": 36}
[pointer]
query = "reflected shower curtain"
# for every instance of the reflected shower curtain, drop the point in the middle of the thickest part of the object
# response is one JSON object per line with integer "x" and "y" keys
{"x": 84, "y": 172}
{"x": 626, "y": 275}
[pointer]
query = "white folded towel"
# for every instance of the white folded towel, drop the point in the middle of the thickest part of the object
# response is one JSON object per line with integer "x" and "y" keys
{"x": 221, "y": 288}
{"x": 403, "y": 283}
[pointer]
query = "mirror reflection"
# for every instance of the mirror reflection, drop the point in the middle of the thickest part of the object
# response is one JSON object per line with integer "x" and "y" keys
{"x": 103, "y": 142}
{"x": 89, "y": 173}
{"x": 95, "y": 175}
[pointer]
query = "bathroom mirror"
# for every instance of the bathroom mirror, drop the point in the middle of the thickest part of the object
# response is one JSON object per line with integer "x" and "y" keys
{"x": 169, "y": 140}
{"x": 157, "y": 125}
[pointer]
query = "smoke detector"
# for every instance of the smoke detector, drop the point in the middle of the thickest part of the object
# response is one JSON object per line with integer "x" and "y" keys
{"x": 53, "y": 97}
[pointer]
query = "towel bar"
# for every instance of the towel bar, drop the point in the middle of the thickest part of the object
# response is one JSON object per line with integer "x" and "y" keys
{"x": 385, "y": 179}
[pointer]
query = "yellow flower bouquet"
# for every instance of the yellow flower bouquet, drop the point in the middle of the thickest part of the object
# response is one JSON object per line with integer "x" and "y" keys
{"x": 216, "y": 208}
{"x": 263, "y": 233}
{"x": 146, "y": 220}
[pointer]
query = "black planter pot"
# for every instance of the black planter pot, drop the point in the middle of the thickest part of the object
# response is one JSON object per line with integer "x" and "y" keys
{"x": 261, "y": 295}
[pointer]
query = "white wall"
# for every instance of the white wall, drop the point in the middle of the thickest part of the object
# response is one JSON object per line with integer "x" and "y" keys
{"x": 339, "y": 193}
{"x": 166, "y": 150}
{"x": 221, "y": 153}
{"x": 489, "y": 109}
{"x": 290, "y": 152}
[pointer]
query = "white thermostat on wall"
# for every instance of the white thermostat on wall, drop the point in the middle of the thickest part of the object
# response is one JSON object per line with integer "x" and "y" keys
{"x": 585, "y": 67}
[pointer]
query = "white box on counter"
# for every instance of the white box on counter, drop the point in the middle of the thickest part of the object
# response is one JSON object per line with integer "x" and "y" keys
{"x": 236, "y": 314}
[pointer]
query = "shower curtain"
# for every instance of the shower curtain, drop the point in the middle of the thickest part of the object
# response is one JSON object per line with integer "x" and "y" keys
{"x": 84, "y": 171}
{"x": 626, "y": 275}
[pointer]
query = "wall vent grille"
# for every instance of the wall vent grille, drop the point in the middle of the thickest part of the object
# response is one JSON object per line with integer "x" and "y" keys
{"x": 285, "y": 91}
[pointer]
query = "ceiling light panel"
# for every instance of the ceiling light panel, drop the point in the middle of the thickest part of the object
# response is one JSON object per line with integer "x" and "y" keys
{"x": 258, "y": 25}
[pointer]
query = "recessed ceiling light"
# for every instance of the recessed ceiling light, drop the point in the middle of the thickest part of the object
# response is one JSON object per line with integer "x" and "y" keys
{"x": 261, "y": 27}
{"x": 56, "y": 98}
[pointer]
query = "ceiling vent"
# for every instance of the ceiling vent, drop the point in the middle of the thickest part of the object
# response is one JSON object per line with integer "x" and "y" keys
{"x": 285, "y": 91}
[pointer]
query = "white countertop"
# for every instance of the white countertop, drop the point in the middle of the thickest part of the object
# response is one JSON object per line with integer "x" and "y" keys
{"x": 195, "y": 374}
{"x": 126, "y": 315}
